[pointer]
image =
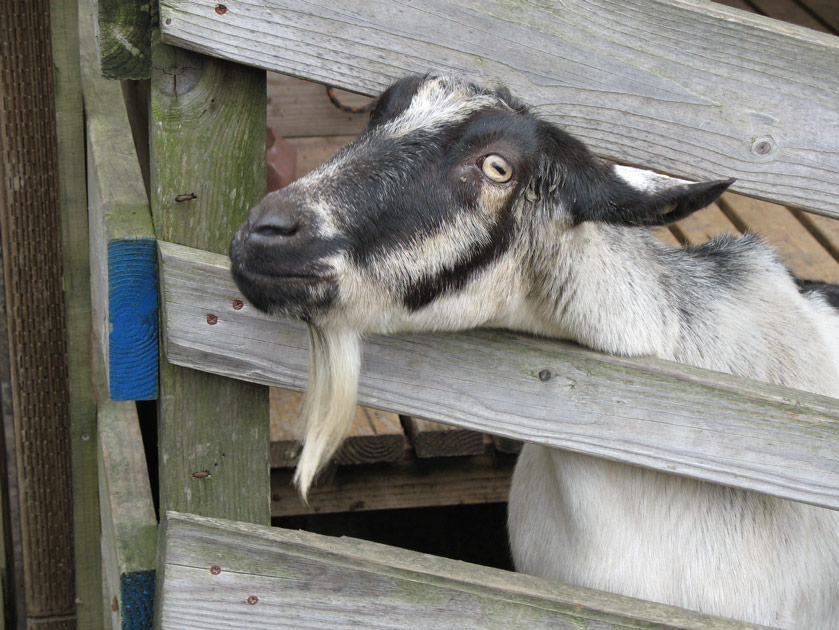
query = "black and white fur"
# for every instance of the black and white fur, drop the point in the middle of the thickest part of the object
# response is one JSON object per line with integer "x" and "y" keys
{"x": 409, "y": 228}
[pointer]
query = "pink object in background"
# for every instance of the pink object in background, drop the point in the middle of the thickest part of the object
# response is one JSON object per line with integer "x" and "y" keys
{"x": 281, "y": 160}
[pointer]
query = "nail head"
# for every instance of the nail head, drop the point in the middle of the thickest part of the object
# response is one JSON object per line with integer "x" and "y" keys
{"x": 545, "y": 375}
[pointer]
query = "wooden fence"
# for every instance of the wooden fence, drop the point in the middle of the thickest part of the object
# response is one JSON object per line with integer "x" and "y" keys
{"x": 689, "y": 88}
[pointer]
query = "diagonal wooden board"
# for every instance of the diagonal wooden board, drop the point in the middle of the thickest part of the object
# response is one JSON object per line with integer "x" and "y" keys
{"x": 686, "y": 87}
{"x": 272, "y": 578}
{"x": 653, "y": 413}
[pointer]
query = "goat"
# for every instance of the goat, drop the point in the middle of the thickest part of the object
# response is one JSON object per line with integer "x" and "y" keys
{"x": 459, "y": 208}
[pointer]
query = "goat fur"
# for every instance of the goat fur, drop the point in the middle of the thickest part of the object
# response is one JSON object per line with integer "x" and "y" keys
{"x": 401, "y": 231}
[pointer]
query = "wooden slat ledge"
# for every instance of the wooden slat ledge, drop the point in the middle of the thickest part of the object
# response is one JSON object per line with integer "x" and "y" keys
{"x": 653, "y": 413}
{"x": 294, "y": 579}
{"x": 686, "y": 87}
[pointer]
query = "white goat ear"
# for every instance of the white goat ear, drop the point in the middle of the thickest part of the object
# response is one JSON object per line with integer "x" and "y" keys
{"x": 659, "y": 199}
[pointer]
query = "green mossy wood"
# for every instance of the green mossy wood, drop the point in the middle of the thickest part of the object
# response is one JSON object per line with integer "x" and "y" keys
{"x": 124, "y": 28}
{"x": 207, "y": 169}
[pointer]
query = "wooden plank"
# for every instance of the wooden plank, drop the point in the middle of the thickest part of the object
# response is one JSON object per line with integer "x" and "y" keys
{"x": 678, "y": 86}
{"x": 791, "y": 12}
{"x": 124, "y": 38}
{"x": 803, "y": 254}
{"x": 506, "y": 445}
{"x": 825, "y": 231}
{"x": 653, "y": 413}
{"x": 208, "y": 143}
{"x": 129, "y": 525}
{"x": 404, "y": 484}
{"x": 298, "y": 108}
{"x": 123, "y": 252}
{"x": 70, "y": 132}
{"x": 295, "y": 579}
{"x": 375, "y": 436}
{"x": 432, "y": 439}
{"x": 826, "y": 12}
{"x": 312, "y": 152}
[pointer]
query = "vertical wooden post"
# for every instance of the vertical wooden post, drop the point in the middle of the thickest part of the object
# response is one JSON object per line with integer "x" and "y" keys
{"x": 73, "y": 200}
{"x": 207, "y": 169}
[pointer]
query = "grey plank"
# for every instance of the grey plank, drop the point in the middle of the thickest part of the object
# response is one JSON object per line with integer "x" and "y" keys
{"x": 217, "y": 573}
{"x": 684, "y": 86}
{"x": 653, "y": 413}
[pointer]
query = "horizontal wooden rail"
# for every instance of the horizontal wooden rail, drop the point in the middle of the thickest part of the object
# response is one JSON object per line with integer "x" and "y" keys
{"x": 653, "y": 413}
{"x": 213, "y": 572}
{"x": 686, "y": 87}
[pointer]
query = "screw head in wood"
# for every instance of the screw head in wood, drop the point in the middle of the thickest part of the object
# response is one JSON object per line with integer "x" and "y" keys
{"x": 253, "y": 599}
{"x": 238, "y": 304}
{"x": 221, "y": 9}
{"x": 215, "y": 569}
{"x": 545, "y": 375}
{"x": 212, "y": 320}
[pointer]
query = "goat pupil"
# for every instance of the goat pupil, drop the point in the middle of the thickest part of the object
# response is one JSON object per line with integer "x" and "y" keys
{"x": 500, "y": 169}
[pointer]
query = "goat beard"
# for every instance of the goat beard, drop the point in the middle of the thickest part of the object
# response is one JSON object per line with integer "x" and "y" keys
{"x": 329, "y": 402}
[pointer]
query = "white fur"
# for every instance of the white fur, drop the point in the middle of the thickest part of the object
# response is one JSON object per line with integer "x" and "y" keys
{"x": 576, "y": 518}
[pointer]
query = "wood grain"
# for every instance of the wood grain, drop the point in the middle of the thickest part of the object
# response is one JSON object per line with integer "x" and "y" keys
{"x": 453, "y": 481}
{"x": 129, "y": 525}
{"x": 686, "y": 87}
{"x": 653, "y": 413}
{"x": 375, "y": 436}
{"x": 801, "y": 252}
{"x": 124, "y": 38}
{"x": 275, "y": 578}
{"x": 122, "y": 247}
{"x": 70, "y": 132}
{"x": 432, "y": 439}
{"x": 298, "y": 109}
{"x": 207, "y": 133}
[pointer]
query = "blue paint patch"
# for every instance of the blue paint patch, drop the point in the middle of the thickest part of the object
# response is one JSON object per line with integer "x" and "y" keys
{"x": 133, "y": 319}
{"x": 136, "y": 591}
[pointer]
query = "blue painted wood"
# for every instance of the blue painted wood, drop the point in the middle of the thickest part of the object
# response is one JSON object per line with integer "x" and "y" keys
{"x": 137, "y": 597}
{"x": 133, "y": 319}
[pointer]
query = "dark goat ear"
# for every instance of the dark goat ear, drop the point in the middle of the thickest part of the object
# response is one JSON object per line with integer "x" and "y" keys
{"x": 631, "y": 196}
{"x": 672, "y": 204}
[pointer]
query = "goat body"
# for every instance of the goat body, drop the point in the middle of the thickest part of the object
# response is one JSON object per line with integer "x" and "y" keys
{"x": 458, "y": 208}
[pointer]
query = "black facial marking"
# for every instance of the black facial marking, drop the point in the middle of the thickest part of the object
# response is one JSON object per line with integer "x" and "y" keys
{"x": 455, "y": 277}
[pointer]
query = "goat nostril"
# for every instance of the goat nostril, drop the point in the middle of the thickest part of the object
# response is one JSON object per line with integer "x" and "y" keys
{"x": 275, "y": 226}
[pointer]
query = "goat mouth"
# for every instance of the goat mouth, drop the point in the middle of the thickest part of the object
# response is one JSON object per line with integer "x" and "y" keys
{"x": 293, "y": 295}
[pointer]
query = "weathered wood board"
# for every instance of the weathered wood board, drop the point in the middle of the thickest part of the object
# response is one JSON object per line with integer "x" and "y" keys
{"x": 432, "y": 439}
{"x": 274, "y": 578}
{"x": 653, "y": 413}
{"x": 123, "y": 252}
{"x": 407, "y": 483}
{"x": 686, "y": 87}
{"x": 207, "y": 135}
{"x": 123, "y": 35}
{"x": 128, "y": 522}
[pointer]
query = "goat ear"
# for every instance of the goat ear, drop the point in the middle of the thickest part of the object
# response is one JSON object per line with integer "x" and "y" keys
{"x": 640, "y": 197}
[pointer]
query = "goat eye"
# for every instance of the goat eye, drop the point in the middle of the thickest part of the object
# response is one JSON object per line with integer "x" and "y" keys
{"x": 497, "y": 169}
